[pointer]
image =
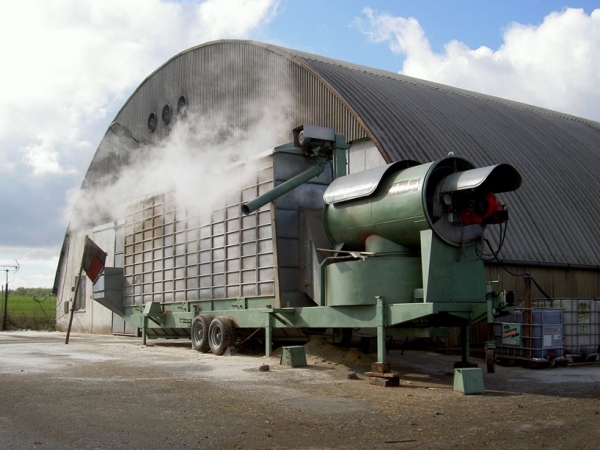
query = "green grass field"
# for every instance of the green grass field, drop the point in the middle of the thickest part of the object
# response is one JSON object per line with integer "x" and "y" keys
{"x": 23, "y": 312}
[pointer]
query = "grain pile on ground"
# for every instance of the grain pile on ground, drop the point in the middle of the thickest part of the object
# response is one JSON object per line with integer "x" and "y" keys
{"x": 320, "y": 352}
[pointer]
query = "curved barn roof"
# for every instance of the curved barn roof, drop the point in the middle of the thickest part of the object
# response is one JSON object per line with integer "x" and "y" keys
{"x": 552, "y": 215}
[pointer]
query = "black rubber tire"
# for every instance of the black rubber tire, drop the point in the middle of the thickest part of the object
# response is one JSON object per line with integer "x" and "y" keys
{"x": 220, "y": 334}
{"x": 490, "y": 359}
{"x": 199, "y": 333}
{"x": 340, "y": 336}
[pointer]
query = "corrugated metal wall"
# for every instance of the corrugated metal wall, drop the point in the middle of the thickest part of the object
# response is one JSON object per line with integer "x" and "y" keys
{"x": 555, "y": 282}
{"x": 316, "y": 104}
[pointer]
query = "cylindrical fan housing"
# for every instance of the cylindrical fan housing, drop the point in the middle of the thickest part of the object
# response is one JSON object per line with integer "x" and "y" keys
{"x": 397, "y": 202}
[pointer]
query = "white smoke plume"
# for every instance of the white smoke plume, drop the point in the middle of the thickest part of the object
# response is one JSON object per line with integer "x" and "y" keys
{"x": 200, "y": 163}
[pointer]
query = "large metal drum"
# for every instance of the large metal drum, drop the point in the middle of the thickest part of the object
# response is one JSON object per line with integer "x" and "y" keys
{"x": 397, "y": 202}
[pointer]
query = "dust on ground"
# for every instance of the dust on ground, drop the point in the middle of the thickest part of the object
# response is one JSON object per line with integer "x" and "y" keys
{"x": 105, "y": 392}
{"x": 320, "y": 352}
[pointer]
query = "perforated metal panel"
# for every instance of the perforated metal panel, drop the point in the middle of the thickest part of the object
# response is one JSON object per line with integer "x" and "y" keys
{"x": 175, "y": 254}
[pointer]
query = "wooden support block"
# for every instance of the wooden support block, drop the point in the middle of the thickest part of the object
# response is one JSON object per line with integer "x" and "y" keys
{"x": 385, "y": 382}
{"x": 382, "y": 375}
{"x": 380, "y": 367}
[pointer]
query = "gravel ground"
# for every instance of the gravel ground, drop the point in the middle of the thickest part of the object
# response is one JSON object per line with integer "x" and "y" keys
{"x": 105, "y": 392}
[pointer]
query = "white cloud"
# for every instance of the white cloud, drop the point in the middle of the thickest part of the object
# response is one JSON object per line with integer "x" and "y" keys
{"x": 553, "y": 65}
{"x": 68, "y": 66}
{"x": 218, "y": 18}
{"x": 73, "y": 63}
{"x": 199, "y": 147}
{"x": 43, "y": 159}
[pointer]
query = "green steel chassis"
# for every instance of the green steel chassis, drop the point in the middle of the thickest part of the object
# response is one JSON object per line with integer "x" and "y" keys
{"x": 257, "y": 312}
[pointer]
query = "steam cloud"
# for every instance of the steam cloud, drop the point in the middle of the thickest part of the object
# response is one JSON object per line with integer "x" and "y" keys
{"x": 190, "y": 164}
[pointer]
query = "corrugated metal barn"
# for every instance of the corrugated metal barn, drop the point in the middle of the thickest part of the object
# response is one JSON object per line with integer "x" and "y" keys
{"x": 385, "y": 117}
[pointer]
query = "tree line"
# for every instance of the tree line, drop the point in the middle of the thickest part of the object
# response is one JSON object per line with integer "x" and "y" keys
{"x": 30, "y": 292}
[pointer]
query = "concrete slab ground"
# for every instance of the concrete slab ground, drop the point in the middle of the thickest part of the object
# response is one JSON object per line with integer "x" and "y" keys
{"x": 105, "y": 392}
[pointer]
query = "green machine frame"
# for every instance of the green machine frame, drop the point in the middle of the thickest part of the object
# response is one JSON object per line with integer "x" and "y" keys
{"x": 406, "y": 243}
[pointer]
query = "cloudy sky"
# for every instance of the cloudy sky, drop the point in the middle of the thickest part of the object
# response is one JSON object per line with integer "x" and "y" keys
{"x": 69, "y": 65}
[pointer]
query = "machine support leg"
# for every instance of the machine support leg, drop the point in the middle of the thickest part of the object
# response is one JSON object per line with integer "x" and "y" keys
{"x": 490, "y": 311}
{"x": 381, "y": 358}
{"x": 381, "y": 352}
{"x": 466, "y": 350}
{"x": 144, "y": 319}
{"x": 268, "y": 337}
{"x": 465, "y": 344}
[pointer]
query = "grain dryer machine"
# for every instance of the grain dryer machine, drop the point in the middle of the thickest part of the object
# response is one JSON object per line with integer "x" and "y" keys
{"x": 398, "y": 248}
